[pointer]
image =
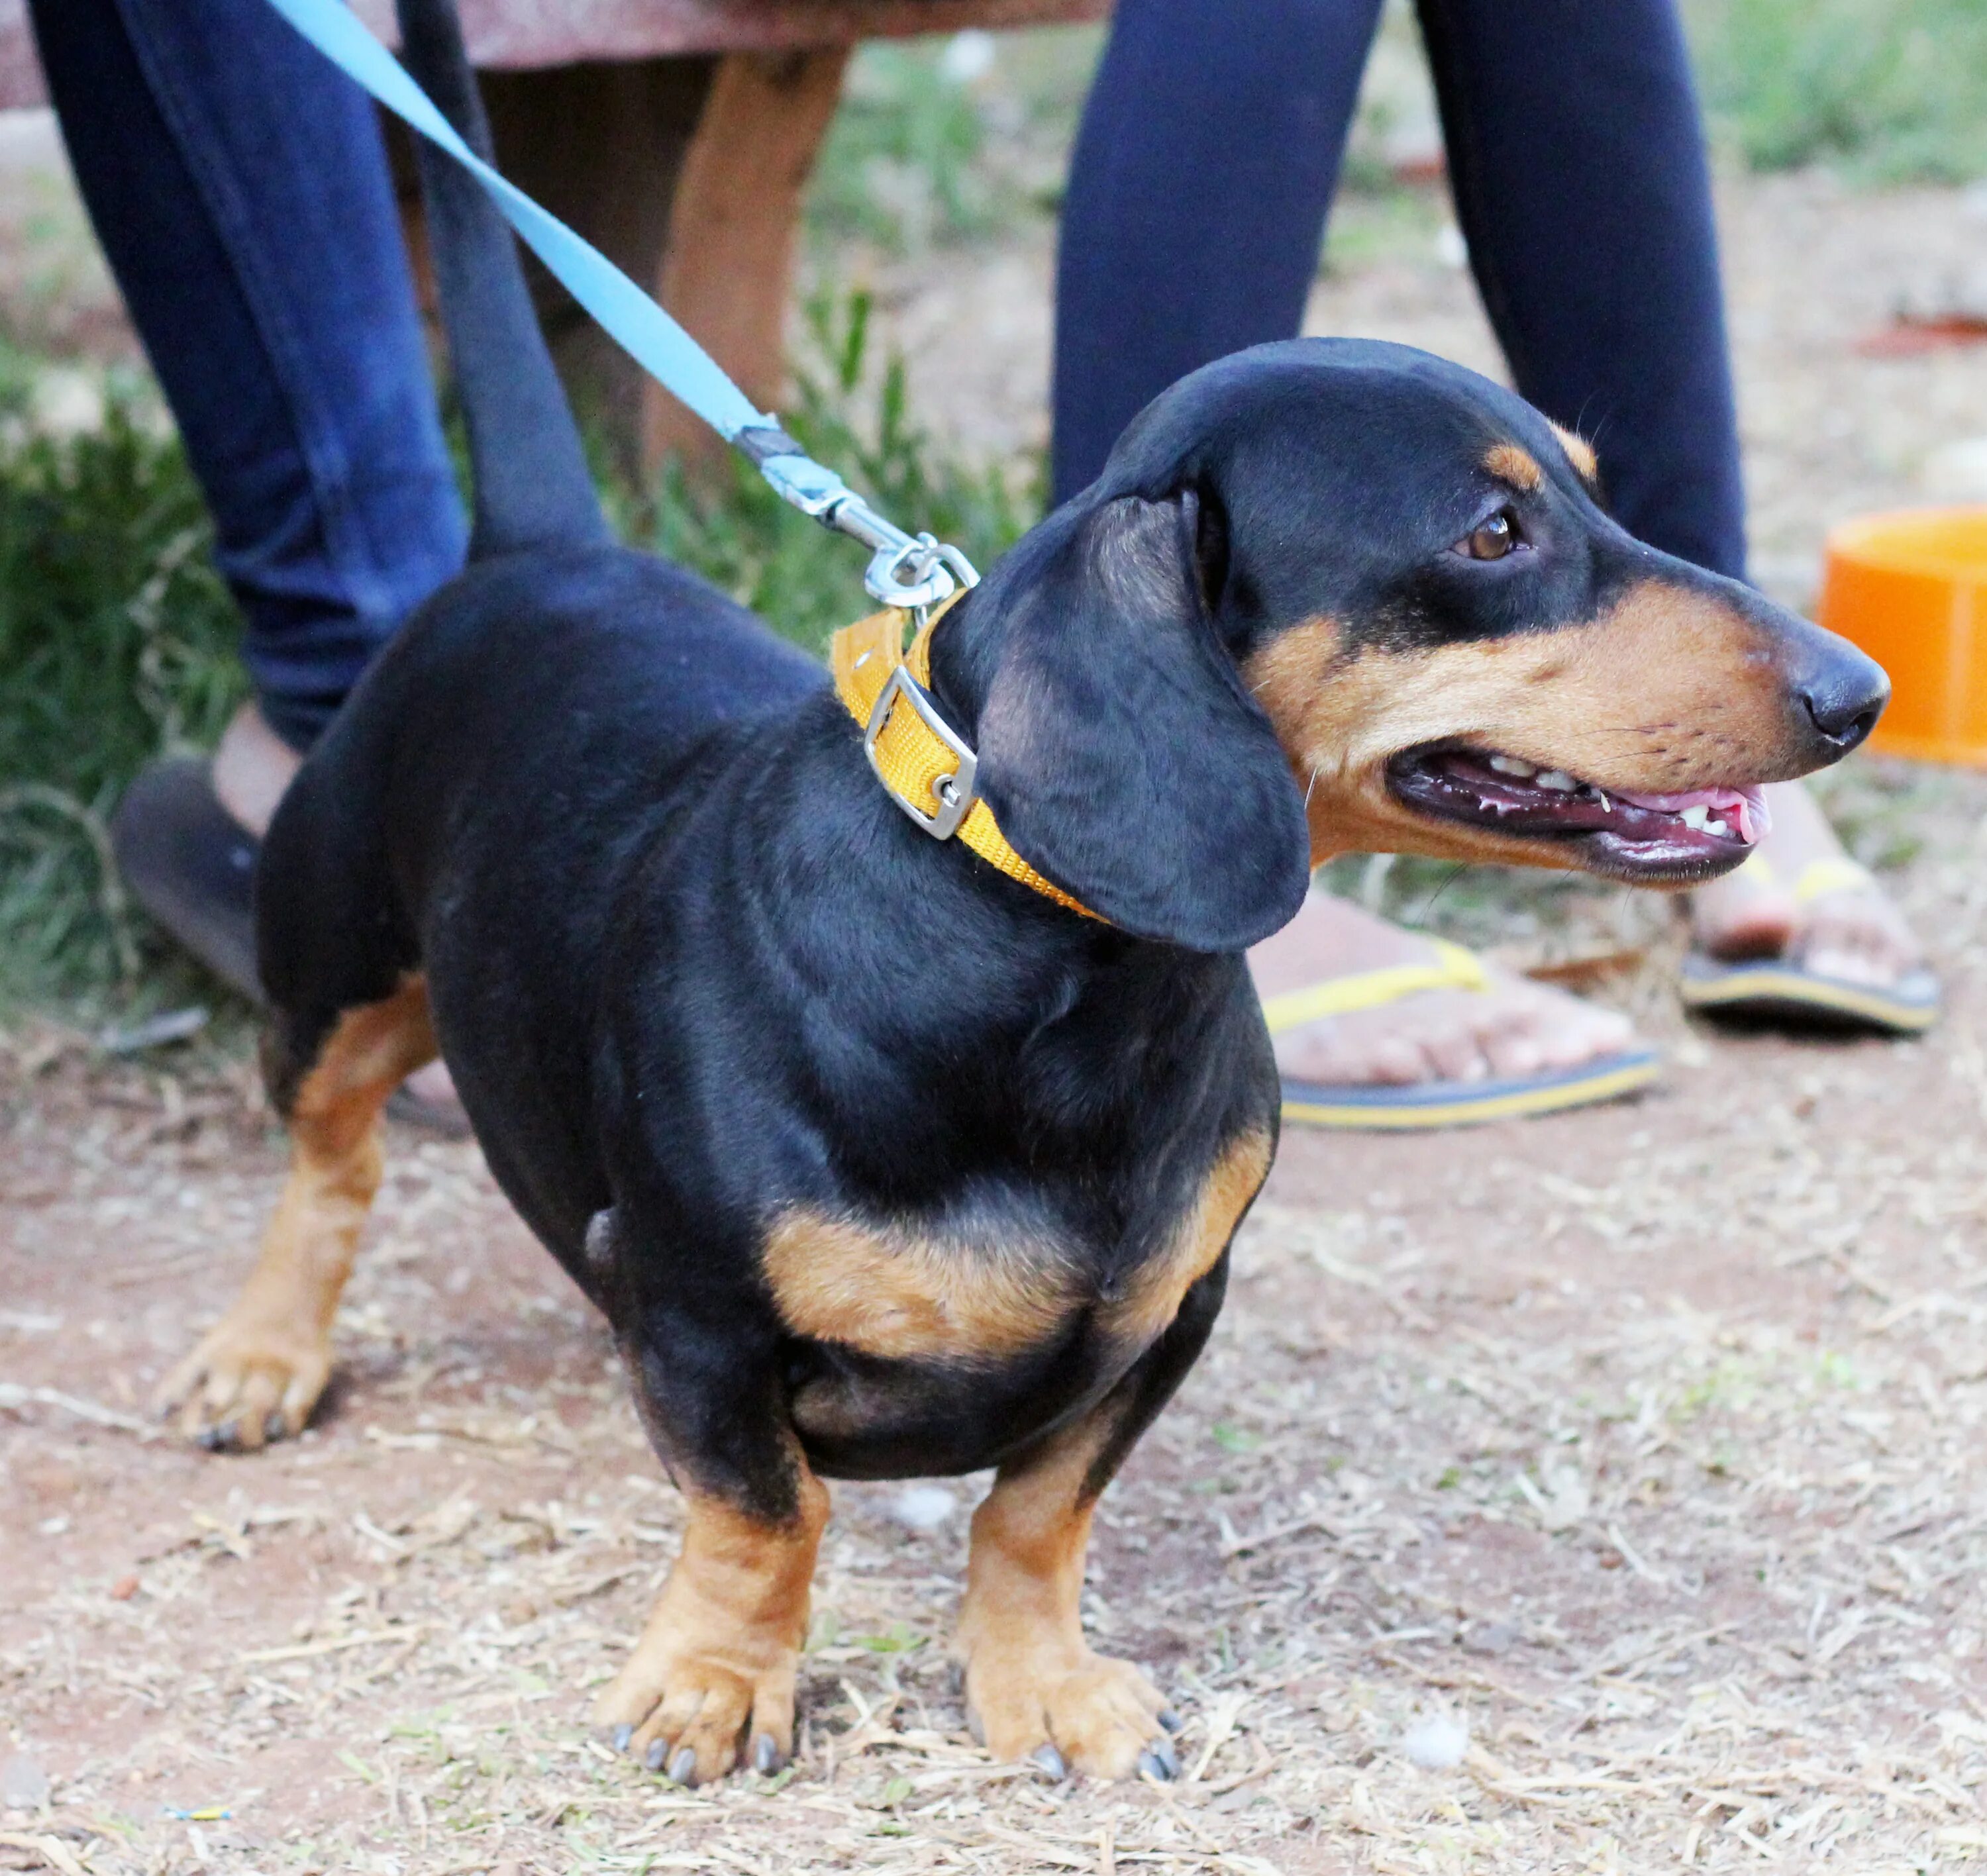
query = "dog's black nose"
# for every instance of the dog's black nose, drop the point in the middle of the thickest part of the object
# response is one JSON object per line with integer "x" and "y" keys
{"x": 1844, "y": 695}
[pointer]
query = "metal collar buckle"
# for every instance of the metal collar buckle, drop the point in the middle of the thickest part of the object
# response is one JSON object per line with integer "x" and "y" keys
{"x": 954, "y": 792}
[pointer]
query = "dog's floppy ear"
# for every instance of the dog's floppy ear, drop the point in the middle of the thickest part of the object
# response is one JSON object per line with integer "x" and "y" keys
{"x": 1118, "y": 748}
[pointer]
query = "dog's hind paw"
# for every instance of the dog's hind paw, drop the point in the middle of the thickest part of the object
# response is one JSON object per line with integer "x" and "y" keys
{"x": 248, "y": 1382}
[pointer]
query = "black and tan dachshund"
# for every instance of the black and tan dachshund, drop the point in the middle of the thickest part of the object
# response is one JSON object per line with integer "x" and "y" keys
{"x": 881, "y": 1160}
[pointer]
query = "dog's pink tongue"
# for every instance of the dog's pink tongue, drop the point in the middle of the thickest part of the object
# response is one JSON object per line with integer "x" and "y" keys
{"x": 1743, "y": 810}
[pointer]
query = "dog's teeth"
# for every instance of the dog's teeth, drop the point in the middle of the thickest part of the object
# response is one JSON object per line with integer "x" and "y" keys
{"x": 1716, "y": 827}
{"x": 1557, "y": 779}
{"x": 1696, "y": 815}
{"x": 1607, "y": 806}
{"x": 1513, "y": 765}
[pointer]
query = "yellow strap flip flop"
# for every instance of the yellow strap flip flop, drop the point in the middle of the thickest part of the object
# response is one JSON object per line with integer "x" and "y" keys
{"x": 1782, "y": 993}
{"x": 1408, "y": 1106}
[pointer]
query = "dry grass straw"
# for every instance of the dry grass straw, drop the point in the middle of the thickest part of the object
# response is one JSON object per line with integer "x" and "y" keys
{"x": 1646, "y": 1443}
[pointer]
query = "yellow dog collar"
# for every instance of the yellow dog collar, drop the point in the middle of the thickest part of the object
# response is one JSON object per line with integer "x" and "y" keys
{"x": 919, "y": 757}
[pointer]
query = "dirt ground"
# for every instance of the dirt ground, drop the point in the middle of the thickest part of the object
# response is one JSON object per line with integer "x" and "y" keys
{"x": 1643, "y": 1444}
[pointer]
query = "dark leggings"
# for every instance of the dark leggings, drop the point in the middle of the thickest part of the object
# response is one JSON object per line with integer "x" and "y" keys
{"x": 1206, "y": 161}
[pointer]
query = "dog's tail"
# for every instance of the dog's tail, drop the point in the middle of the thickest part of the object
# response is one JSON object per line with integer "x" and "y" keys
{"x": 532, "y": 487}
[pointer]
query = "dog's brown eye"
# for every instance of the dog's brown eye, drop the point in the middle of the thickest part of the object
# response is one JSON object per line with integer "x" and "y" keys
{"x": 1492, "y": 541}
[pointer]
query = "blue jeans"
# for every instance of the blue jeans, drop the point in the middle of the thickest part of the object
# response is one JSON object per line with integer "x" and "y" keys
{"x": 1209, "y": 152}
{"x": 239, "y": 187}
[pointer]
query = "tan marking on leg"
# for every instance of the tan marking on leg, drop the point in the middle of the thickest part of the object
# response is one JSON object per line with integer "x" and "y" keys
{"x": 1673, "y": 688}
{"x": 1155, "y": 1296}
{"x": 1517, "y": 468}
{"x": 1580, "y": 453}
{"x": 895, "y": 1294}
{"x": 259, "y": 1370}
{"x": 718, "y": 1657}
{"x": 1031, "y": 1679}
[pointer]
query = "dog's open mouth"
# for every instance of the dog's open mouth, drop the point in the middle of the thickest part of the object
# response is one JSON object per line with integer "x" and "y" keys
{"x": 1647, "y": 837}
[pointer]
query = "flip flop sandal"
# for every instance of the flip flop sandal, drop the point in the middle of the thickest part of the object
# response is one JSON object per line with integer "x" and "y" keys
{"x": 1411, "y": 1105}
{"x": 1783, "y": 993}
{"x": 190, "y": 864}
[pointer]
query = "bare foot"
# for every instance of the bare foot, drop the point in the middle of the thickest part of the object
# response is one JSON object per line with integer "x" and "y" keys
{"x": 1511, "y": 1028}
{"x": 1808, "y": 902}
{"x": 252, "y": 766}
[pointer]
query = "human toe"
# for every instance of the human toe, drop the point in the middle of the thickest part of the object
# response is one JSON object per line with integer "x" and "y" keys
{"x": 1861, "y": 941}
{"x": 1457, "y": 1054}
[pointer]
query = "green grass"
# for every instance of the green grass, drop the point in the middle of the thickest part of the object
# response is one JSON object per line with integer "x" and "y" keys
{"x": 116, "y": 642}
{"x": 942, "y": 142}
{"x": 807, "y": 581}
{"x": 117, "y": 638}
{"x": 1888, "y": 91}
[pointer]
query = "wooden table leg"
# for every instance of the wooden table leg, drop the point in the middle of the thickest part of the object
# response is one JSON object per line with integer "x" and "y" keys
{"x": 686, "y": 173}
{"x": 602, "y": 146}
{"x": 727, "y": 267}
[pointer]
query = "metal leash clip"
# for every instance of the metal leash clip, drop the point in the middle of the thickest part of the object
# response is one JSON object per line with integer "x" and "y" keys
{"x": 913, "y": 572}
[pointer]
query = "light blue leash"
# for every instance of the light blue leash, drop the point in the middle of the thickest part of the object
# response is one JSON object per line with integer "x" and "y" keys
{"x": 906, "y": 571}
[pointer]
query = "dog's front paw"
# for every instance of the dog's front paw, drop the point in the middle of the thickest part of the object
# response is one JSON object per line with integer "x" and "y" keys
{"x": 251, "y": 1380}
{"x": 692, "y": 1701}
{"x": 713, "y": 1675}
{"x": 1069, "y": 1709}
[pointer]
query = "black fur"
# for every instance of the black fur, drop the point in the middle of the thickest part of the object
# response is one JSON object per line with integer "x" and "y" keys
{"x": 531, "y": 483}
{"x": 691, "y": 968}
{"x": 1119, "y": 748}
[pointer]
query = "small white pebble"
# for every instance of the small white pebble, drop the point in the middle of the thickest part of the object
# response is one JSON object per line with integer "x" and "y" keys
{"x": 923, "y": 1507}
{"x": 1437, "y": 1742}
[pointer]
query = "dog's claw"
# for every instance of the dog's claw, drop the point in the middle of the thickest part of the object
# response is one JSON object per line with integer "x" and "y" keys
{"x": 1050, "y": 1760}
{"x": 766, "y": 1756}
{"x": 1158, "y": 1760}
{"x": 622, "y": 1735}
{"x": 212, "y": 1438}
{"x": 658, "y": 1750}
{"x": 1170, "y": 1720}
{"x": 682, "y": 1767}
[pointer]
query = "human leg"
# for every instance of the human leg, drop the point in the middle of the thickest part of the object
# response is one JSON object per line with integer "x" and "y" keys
{"x": 1210, "y": 149}
{"x": 1577, "y": 157}
{"x": 239, "y": 187}
{"x": 1207, "y": 156}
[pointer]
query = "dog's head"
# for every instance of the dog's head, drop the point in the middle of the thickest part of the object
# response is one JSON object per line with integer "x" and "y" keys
{"x": 1351, "y": 585}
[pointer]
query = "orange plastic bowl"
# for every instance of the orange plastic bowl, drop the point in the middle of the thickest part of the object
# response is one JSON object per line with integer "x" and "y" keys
{"x": 1910, "y": 589}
